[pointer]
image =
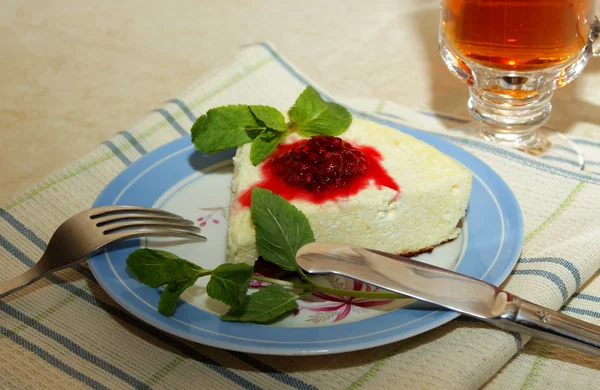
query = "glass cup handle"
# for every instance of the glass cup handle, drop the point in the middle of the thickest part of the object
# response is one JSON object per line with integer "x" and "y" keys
{"x": 596, "y": 37}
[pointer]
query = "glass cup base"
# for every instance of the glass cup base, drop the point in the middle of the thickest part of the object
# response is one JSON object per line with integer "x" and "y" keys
{"x": 545, "y": 142}
{"x": 534, "y": 142}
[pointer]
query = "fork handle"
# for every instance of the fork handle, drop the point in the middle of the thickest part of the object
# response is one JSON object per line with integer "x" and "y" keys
{"x": 29, "y": 276}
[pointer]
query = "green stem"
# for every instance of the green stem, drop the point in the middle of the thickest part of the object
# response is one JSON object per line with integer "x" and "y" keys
{"x": 360, "y": 294}
{"x": 329, "y": 290}
{"x": 281, "y": 282}
{"x": 304, "y": 277}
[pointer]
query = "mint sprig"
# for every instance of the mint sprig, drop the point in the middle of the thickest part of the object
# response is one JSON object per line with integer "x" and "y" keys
{"x": 230, "y": 126}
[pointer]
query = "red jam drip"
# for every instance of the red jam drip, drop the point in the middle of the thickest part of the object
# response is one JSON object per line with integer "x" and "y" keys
{"x": 369, "y": 170}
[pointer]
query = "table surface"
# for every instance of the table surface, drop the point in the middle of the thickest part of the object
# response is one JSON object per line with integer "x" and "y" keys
{"x": 74, "y": 73}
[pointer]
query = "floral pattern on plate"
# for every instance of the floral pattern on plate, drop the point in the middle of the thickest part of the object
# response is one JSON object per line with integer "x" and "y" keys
{"x": 209, "y": 215}
{"x": 328, "y": 308}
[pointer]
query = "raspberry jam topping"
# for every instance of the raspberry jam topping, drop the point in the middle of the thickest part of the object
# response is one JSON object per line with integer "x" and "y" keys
{"x": 320, "y": 169}
{"x": 320, "y": 164}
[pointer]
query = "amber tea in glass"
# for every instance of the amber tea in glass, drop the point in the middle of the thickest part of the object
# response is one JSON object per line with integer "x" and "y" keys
{"x": 514, "y": 54}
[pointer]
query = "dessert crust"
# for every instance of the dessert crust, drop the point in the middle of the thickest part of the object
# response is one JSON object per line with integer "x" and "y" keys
{"x": 424, "y": 250}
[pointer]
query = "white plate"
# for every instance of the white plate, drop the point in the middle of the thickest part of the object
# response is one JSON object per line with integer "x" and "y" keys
{"x": 181, "y": 180}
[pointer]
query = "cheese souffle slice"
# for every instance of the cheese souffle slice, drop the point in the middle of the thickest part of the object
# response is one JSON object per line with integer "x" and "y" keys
{"x": 373, "y": 186}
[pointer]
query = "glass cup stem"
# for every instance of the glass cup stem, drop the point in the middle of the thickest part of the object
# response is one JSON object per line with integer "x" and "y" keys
{"x": 513, "y": 122}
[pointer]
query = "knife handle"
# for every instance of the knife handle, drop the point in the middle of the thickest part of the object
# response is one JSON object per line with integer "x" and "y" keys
{"x": 528, "y": 318}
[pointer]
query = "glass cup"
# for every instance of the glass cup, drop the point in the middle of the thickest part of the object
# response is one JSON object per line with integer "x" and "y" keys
{"x": 513, "y": 54}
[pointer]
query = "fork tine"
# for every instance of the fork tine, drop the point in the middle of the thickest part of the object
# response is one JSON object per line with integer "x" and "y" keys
{"x": 115, "y": 210}
{"x": 154, "y": 231}
{"x": 112, "y": 218}
{"x": 116, "y": 227}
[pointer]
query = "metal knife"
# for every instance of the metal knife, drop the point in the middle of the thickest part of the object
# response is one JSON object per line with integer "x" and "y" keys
{"x": 451, "y": 290}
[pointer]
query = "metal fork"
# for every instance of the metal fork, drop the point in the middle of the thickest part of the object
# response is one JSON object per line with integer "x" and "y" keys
{"x": 91, "y": 230}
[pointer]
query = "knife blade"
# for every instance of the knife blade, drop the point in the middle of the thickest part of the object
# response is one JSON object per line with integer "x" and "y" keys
{"x": 451, "y": 290}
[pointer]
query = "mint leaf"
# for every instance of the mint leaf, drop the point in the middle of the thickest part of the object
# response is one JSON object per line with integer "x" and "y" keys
{"x": 229, "y": 283}
{"x": 156, "y": 268}
{"x": 223, "y": 128}
{"x": 314, "y": 116}
{"x": 197, "y": 126}
{"x": 270, "y": 116}
{"x": 281, "y": 229}
{"x": 170, "y": 296}
{"x": 265, "y": 144}
{"x": 268, "y": 304}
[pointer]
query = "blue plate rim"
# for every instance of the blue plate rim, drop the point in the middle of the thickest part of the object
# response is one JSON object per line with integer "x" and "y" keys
{"x": 442, "y": 316}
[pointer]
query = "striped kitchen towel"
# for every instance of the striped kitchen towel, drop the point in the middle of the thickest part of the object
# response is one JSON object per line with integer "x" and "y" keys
{"x": 66, "y": 332}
